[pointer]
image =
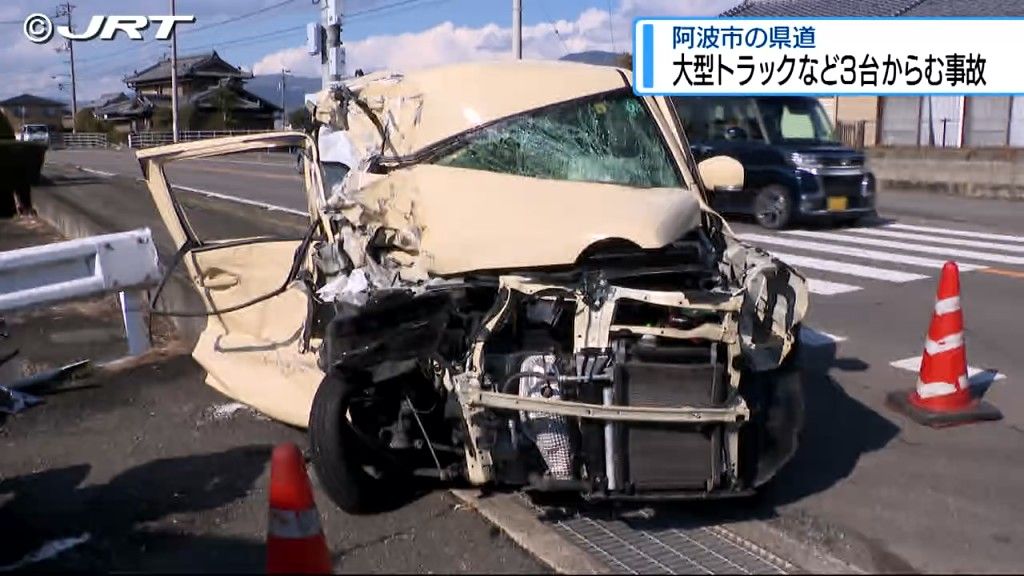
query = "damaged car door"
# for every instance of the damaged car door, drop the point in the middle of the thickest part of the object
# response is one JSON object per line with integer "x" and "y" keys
{"x": 255, "y": 302}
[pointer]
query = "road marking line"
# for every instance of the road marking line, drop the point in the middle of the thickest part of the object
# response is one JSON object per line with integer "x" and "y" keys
{"x": 848, "y": 269}
{"x": 976, "y": 375}
{"x": 97, "y": 172}
{"x": 825, "y": 288}
{"x": 946, "y": 252}
{"x": 817, "y": 338}
{"x": 855, "y": 252}
{"x": 938, "y": 240}
{"x": 953, "y": 232}
{"x": 1001, "y": 272}
{"x": 245, "y": 201}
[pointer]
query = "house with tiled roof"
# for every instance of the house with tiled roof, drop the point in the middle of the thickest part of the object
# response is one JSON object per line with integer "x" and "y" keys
{"x": 30, "y": 109}
{"x": 975, "y": 121}
{"x": 211, "y": 94}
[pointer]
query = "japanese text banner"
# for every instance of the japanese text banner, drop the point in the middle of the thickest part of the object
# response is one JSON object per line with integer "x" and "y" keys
{"x": 680, "y": 56}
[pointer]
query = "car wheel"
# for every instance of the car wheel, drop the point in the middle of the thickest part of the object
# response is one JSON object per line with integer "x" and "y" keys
{"x": 354, "y": 470}
{"x": 773, "y": 208}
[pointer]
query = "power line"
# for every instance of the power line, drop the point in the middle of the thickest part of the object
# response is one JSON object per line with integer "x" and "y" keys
{"x": 392, "y": 6}
{"x": 248, "y": 39}
{"x": 554, "y": 25}
{"x": 230, "y": 20}
{"x": 239, "y": 17}
{"x": 611, "y": 27}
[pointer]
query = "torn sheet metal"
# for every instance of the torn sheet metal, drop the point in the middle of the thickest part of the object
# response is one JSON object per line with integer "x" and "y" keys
{"x": 774, "y": 303}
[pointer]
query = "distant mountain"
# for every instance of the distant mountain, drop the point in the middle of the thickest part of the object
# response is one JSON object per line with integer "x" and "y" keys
{"x": 599, "y": 57}
{"x": 267, "y": 86}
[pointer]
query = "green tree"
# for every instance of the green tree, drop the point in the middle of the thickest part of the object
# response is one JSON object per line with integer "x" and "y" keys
{"x": 86, "y": 121}
{"x": 300, "y": 119}
{"x": 624, "y": 60}
{"x": 225, "y": 99}
{"x": 162, "y": 119}
{"x": 186, "y": 117}
{"x": 6, "y": 131}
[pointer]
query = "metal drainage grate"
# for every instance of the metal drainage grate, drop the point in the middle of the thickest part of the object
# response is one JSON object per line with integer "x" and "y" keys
{"x": 670, "y": 549}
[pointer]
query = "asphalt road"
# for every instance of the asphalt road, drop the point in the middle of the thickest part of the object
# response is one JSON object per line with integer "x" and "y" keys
{"x": 144, "y": 468}
{"x": 263, "y": 177}
{"x": 867, "y": 483}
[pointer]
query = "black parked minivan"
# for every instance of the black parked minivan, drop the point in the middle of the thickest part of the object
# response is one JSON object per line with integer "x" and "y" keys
{"x": 795, "y": 168}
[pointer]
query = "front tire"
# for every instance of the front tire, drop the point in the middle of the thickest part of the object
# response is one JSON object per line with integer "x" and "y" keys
{"x": 342, "y": 455}
{"x": 773, "y": 207}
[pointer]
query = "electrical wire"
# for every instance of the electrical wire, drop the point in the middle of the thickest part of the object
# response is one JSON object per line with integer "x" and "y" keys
{"x": 391, "y": 6}
{"x": 236, "y": 18}
{"x": 611, "y": 28}
{"x": 554, "y": 25}
{"x": 230, "y": 20}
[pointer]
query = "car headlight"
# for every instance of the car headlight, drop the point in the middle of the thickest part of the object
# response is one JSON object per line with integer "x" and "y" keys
{"x": 804, "y": 161}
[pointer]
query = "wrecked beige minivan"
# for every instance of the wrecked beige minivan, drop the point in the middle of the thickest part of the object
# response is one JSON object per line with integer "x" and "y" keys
{"x": 510, "y": 277}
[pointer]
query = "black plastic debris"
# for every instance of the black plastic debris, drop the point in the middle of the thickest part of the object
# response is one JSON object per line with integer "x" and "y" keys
{"x": 21, "y": 394}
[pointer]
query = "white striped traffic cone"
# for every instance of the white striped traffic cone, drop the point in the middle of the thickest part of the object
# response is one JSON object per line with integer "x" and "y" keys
{"x": 943, "y": 396}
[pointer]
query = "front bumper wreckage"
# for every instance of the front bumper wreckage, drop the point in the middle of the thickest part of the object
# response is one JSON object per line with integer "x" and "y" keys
{"x": 755, "y": 326}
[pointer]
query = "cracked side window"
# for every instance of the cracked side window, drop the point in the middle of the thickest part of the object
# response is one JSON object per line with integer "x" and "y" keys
{"x": 610, "y": 139}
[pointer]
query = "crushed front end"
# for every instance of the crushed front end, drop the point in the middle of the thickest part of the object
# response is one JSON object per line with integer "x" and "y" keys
{"x": 625, "y": 382}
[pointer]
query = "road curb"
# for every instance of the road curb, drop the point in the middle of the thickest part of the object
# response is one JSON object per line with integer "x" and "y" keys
{"x": 525, "y": 529}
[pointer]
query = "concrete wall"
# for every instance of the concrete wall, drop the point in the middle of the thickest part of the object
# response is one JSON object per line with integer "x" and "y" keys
{"x": 989, "y": 173}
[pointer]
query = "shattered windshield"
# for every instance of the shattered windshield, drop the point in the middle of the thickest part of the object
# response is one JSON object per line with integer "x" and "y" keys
{"x": 611, "y": 139}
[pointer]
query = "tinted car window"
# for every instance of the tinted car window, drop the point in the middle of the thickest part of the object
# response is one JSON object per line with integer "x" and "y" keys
{"x": 611, "y": 139}
{"x": 715, "y": 119}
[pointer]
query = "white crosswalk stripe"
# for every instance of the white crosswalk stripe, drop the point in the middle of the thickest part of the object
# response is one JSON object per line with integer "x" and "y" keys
{"x": 943, "y": 251}
{"x": 892, "y": 253}
{"x": 848, "y": 269}
{"x": 939, "y": 240}
{"x": 948, "y": 232}
{"x": 854, "y": 251}
{"x": 826, "y": 288}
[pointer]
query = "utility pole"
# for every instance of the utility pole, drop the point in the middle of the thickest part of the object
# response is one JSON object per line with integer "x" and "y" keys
{"x": 174, "y": 78}
{"x": 65, "y": 10}
{"x": 284, "y": 111}
{"x": 517, "y": 29}
{"x": 332, "y": 56}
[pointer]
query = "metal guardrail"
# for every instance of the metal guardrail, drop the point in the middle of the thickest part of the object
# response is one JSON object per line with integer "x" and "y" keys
{"x": 81, "y": 140}
{"x": 150, "y": 139}
{"x": 126, "y": 263}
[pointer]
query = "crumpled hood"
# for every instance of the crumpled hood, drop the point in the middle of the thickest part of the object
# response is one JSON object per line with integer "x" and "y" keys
{"x": 457, "y": 220}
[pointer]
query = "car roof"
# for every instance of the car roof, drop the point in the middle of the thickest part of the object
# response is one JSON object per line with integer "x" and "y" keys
{"x": 429, "y": 105}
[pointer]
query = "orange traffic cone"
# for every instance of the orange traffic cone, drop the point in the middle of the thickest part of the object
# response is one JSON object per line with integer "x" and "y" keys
{"x": 943, "y": 395}
{"x": 295, "y": 540}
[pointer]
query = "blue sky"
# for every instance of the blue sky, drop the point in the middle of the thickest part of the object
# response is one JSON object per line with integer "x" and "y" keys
{"x": 399, "y": 34}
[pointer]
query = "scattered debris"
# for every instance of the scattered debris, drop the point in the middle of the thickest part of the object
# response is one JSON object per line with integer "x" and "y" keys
{"x": 224, "y": 411}
{"x": 47, "y": 551}
{"x": 13, "y": 402}
{"x": 221, "y": 412}
{"x": 49, "y": 377}
{"x": 15, "y": 397}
